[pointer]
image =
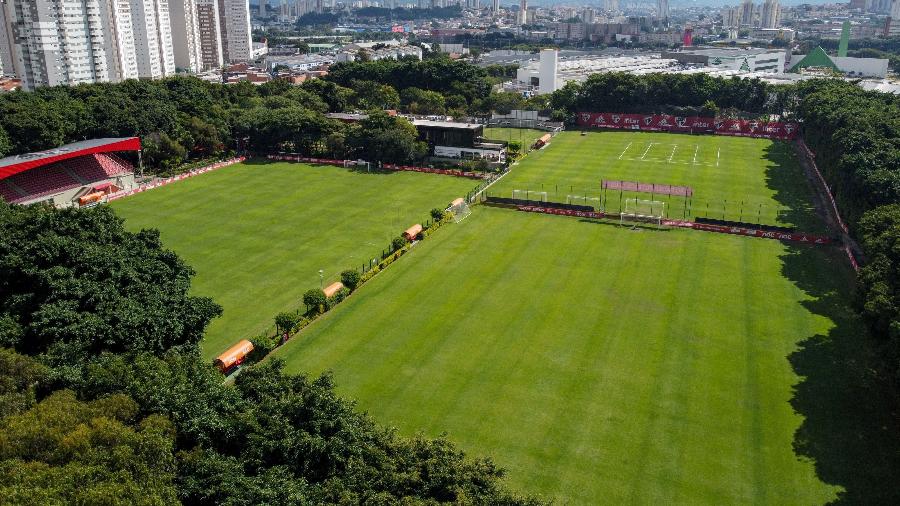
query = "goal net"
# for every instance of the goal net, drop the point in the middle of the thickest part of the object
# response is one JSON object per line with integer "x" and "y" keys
{"x": 460, "y": 210}
{"x": 645, "y": 211}
{"x": 584, "y": 200}
{"x": 529, "y": 195}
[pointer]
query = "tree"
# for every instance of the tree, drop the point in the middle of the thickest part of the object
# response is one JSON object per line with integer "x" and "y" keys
{"x": 436, "y": 214}
{"x": 163, "y": 152}
{"x": 5, "y": 144}
{"x": 398, "y": 243}
{"x": 387, "y": 139}
{"x": 67, "y": 451}
{"x": 20, "y": 379}
{"x": 419, "y": 101}
{"x": 314, "y": 299}
{"x": 204, "y": 137}
{"x": 285, "y": 321}
{"x": 74, "y": 284}
{"x": 373, "y": 95}
{"x": 350, "y": 279}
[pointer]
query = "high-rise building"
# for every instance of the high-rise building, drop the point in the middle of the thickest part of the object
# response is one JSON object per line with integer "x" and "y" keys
{"x": 892, "y": 24}
{"x": 747, "y": 12}
{"x": 209, "y": 28}
{"x": 234, "y": 26}
{"x": 6, "y": 40}
{"x": 662, "y": 11}
{"x": 186, "y": 34}
{"x": 66, "y": 42}
{"x": 262, "y": 8}
{"x": 587, "y": 15}
{"x": 770, "y": 14}
{"x": 523, "y": 12}
{"x": 732, "y": 16}
{"x": 153, "y": 38}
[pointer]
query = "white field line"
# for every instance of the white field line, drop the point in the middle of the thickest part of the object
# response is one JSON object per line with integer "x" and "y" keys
{"x": 696, "y": 150}
{"x": 718, "y": 154}
{"x": 674, "y": 147}
{"x": 650, "y": 145}
{"x": 624, "y": 150}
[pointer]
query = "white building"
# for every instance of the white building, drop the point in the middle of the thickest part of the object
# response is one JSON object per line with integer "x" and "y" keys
{"x": 153, "y": 38}
{"x": 234, "y": 26}
{"x": 547, "y": 71}
{"x": 662, "y": 11}
{"x": 67, "y": 42}
{"x": 186, "y": 34}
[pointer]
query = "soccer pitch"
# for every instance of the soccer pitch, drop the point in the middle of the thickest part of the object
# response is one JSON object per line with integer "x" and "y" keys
{"x": 734, "y": 178}
{"x": 258, "y": 233}
{"x": 597, "y": 364}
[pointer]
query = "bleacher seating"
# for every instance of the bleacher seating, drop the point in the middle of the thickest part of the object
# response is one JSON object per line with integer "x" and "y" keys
{"x": 8, "y": 193}
{"x": 58, "y": 177}
{"x": 95, "y": 167}
{"x": 44, "y": 181}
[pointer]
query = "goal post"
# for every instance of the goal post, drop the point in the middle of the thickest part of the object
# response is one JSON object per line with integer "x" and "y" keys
{"x": 640, "y": 210}
{"x": 529, "y": 195}
{"x": 460, "y": 209}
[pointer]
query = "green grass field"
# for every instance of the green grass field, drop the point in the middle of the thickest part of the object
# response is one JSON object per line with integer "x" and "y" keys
{"x": 596, "y": 363}
{"x": 527, "y": 136}
{"x": 733, "y": 178}
{"x": 258, "y": 233}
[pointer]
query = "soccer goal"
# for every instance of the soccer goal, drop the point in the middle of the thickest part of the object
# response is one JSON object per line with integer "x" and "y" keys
{"x": 646, "y": 211}
{"x": 529, "y": 195}
{"x": 460, "y": 209}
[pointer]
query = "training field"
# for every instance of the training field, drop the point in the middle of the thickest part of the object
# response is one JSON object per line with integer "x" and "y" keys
{"x": 592, "y": 361}
{"x": 734, "y": 178}
{"x": 258, "y": 233}
{"x": 527, "y": 136}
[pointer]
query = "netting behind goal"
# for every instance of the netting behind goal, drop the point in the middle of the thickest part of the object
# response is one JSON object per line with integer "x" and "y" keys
{"x": 460, "y": 209}
{"x": 647, "y": 211}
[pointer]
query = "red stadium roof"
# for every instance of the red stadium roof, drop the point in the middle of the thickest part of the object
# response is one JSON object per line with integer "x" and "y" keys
{"x": 20, "y": 163}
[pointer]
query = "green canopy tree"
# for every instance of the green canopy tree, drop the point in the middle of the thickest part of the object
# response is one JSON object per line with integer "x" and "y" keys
{"x": 75, "y": 283}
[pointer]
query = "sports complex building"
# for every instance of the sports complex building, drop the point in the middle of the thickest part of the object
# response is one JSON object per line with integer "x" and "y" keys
{"x": 79, "y": 174}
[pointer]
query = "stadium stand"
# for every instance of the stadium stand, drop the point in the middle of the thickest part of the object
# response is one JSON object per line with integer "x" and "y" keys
{"x": 65, "y": 174}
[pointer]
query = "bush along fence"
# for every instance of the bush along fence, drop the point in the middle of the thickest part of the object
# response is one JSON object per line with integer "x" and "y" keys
{"x": 317, "y": 302}
{"x": 387, "y": 166}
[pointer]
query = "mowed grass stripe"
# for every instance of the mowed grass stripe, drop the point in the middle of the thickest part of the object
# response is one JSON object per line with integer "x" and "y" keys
{"x": 594, "y": 362}
{"x": 258, "y": 233}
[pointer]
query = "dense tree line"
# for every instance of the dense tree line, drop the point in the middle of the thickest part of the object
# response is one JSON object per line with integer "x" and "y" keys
{"x": 183, "y": 118}
{"x": 667, "y": 93}
{"x": 854, "y": 133}
{"x": 104, "y": 397}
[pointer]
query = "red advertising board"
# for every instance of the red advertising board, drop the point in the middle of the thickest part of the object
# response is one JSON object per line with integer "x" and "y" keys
{"x": 706, "y": 227}
{"x": 688, "y": 124}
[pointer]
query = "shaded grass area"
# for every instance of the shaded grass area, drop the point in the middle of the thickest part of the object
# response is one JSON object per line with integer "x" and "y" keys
{"x": 258, "y": 233}
{"x": 600, "y": 362}
{"x": 733, "y": 178}
{"x": 851, "y": 422}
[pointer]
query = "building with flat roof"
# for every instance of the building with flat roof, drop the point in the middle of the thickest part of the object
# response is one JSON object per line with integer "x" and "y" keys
{"x": 742, "y": 59}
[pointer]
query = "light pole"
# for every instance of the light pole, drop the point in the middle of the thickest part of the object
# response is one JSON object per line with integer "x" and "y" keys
{"x": 321, "y": 279}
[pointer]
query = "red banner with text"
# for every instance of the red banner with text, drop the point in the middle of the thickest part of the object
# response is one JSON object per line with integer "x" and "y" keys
{"x": 688, "y": 124}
